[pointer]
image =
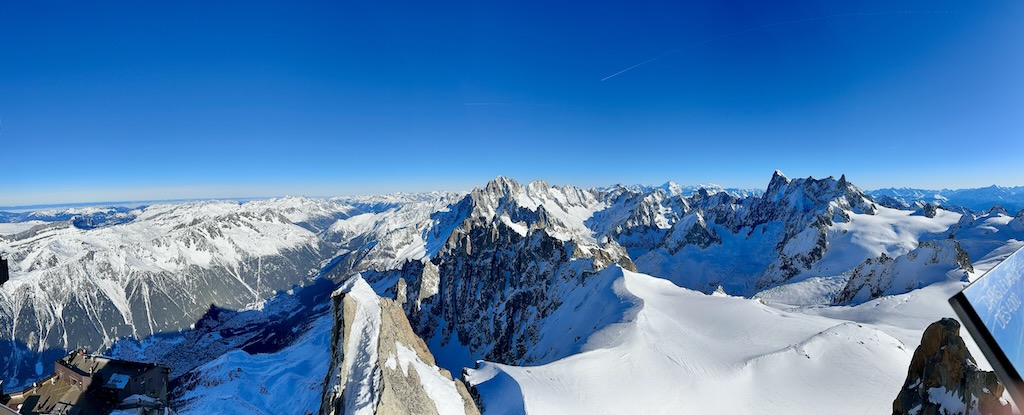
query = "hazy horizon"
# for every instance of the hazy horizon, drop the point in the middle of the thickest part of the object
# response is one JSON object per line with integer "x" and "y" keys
{"x": 123, "y": 199}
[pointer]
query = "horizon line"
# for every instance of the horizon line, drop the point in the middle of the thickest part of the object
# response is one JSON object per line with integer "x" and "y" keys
{"x": 182, "y": 200}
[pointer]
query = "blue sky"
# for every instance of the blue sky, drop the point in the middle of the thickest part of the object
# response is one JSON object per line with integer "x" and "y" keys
{"x": 151, "y": 100}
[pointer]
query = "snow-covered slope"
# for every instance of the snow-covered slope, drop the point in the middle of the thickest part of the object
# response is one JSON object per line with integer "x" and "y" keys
{"x": 680, "y": 351}
{"x": 159, "y": 272}
{"x": 245, "y": 361}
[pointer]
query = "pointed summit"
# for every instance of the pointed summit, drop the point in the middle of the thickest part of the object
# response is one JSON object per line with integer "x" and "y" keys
{"x": 778, "y": 178}
{"x": 502, "y": 184}
{"x": 778, "y": 182}
{"x": 671, "y": 188}
{"x": 998, "y": 210}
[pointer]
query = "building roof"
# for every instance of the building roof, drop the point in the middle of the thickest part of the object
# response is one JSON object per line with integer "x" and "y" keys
{"x": 62, "y": 396}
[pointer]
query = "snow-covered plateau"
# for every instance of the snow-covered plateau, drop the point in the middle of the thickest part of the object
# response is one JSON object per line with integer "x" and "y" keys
{"x": 810, "y": 296}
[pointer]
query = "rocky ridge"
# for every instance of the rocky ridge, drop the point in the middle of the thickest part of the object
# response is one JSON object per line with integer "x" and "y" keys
{"x": 378, "y": 365}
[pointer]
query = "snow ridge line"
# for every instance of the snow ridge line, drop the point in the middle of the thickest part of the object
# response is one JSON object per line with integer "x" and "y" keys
{"x": 361, "y": 391}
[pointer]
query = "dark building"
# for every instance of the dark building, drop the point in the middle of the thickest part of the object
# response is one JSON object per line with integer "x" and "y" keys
{"x": 5, "y": 273}
{"x": 84, "y": 384}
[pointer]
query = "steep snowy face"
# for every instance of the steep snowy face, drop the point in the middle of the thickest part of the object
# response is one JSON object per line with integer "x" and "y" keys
{"x": 74, "y": 287}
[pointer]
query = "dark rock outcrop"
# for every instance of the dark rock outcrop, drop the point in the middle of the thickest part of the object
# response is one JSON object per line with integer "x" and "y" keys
{"x": 944, "y": 378}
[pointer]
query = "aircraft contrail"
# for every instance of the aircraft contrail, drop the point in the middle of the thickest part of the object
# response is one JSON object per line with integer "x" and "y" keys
{"x": 762, "y": 27}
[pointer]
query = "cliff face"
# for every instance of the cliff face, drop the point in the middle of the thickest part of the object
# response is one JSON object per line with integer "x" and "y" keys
{"x": 944, "y": 378}
{"x": 378, "y": 365}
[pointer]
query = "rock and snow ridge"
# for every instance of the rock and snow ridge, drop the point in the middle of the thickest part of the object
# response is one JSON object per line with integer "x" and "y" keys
{"x": 378, "y": 365}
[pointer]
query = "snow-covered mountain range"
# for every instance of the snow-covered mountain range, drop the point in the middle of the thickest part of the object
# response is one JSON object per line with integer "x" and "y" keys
{"x": 681, "y": 299}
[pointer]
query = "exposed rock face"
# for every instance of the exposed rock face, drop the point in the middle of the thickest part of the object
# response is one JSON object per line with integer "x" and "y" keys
{"x": 928, "y": 210}
{"x": 506, "y": 268}
{"x": 379, "y": 366}
{"x": 930, "y": 262}
{"x": 944, "y": 378}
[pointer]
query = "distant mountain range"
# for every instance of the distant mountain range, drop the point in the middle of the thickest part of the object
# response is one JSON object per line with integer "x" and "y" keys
{"x": 975, "y": 199}
{"x": 979, "y": 199}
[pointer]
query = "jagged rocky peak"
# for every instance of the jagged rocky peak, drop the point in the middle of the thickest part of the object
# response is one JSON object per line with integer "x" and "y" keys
{"x": 809, "y": 194}
{"x": 944, "y": 378}
{"x": 488, "y": 266}
{"x": 379, "y": 365}
{"x": 505, "y": 195}
{"x": 520, "y": 251}
{"x": 502, "y": 185}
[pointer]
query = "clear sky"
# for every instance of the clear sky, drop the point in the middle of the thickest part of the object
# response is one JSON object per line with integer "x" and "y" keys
{"x": 181, "y": 99}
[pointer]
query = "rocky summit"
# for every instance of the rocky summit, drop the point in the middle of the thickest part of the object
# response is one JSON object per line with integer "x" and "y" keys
{"x": 944, "y": 378}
